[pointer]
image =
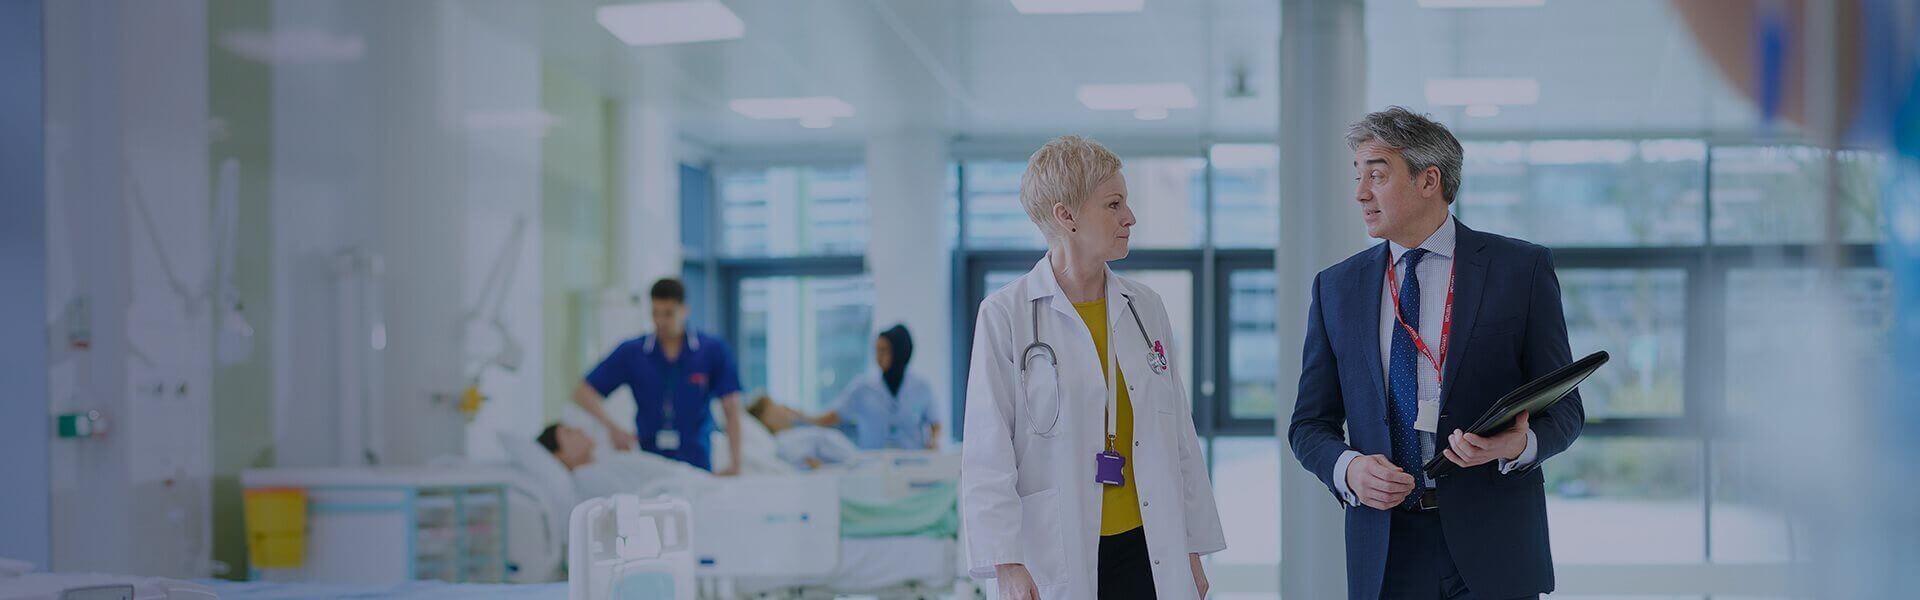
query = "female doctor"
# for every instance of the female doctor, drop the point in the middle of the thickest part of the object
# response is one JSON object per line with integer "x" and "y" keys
{"x": 1081, "y": 475}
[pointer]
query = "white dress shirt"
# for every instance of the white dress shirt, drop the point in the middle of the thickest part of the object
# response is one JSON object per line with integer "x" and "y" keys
{"x": 1435, "y": 271}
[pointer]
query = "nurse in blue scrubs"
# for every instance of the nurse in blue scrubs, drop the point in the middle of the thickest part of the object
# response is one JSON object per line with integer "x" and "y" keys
{"x": 891, "y": 407}
{"x": 675, "y": 374}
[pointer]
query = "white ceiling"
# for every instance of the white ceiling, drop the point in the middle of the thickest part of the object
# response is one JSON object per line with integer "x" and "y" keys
{"x": 978, "y": 70}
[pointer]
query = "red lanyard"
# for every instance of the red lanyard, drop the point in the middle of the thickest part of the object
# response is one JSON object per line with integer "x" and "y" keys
{"x": 1446, "y": 321}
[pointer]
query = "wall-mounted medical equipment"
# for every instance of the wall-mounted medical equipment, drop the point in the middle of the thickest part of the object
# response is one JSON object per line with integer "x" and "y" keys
{"x": 87, "y": 424}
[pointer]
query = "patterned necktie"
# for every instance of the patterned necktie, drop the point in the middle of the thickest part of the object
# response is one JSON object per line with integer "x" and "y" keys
{"x": 1403, "y": 377}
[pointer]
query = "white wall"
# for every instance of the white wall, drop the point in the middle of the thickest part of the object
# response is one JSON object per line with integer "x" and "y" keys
{"x": 129, "y": 240}
{"x": 500, "y": 91}
{"x": 325, "y": 198}
{"x": 425, "y": 152}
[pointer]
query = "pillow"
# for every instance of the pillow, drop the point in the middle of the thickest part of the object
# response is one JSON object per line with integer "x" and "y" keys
{"x": 579, "y": 419}
{"x": 544, "y": 469}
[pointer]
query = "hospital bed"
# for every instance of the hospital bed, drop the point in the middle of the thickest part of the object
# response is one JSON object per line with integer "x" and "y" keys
{"x": 751, "y": 541}
{"x": 474, "y": 523}
{"x": 774, "y": 534}
{"x": 781, "y": 536}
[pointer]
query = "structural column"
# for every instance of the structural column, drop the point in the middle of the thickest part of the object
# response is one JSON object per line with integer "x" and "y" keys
{"x": 908, "y": 251}
{"x": 1322, "y": 89}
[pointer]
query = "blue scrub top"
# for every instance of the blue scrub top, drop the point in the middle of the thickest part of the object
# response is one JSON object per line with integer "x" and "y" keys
{"x": 877, "y": 419}
{"x": 705, "y": 370}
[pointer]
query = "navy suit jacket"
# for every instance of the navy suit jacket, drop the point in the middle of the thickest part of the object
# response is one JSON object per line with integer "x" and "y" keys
{"x": 1508, "y": 329}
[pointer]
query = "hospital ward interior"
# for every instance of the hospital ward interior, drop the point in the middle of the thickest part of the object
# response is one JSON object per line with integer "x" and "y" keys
{"x": 678, "y": 299}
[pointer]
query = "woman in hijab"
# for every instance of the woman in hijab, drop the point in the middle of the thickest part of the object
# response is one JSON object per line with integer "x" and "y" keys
{"x": 890, "y": 407}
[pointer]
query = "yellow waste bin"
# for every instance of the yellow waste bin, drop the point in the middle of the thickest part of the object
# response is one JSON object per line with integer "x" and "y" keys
{"x": 276, "y": 527}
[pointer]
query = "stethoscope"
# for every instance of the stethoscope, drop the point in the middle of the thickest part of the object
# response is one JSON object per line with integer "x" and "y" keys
{"x": 1156, "y": 359}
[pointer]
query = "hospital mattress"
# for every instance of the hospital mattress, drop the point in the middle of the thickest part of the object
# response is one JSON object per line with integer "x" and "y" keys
{"x": 412, "y": 590}
{"x": 872, "y": 565}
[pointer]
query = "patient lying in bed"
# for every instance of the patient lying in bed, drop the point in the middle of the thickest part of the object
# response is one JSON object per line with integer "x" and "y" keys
{"x": 929, "y": 512}
{"x": 797, "y": 441}
{"x": 616, "y": 472}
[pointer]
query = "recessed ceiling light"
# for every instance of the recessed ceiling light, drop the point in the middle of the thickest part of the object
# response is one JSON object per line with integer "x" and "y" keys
{"x": 1077, "y": 7}
{"x": 1481, "y": 3}
{"x": 1482, "y": 91}
{"x": 813, "y": 112}
{"x": 671, "y": 22}
{"x": 1144, "y": 99}
{"x": 294, "y": 47}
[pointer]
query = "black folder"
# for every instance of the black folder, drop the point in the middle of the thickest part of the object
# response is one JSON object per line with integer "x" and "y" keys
{"x": 1533, "y": 397}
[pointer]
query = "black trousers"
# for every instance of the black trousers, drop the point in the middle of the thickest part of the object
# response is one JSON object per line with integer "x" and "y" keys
{"x": 1125, "y": 571}
{"x": 1419, "y": 567}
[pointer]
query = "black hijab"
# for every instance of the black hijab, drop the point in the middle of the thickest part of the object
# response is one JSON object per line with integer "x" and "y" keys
{"x": 902, "y": 344}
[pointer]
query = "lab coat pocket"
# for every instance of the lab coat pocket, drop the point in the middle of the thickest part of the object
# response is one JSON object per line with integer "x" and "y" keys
{"x": 1164, "y": 396}
{"x": 1042, "y": 401}
{"x": 1040, "y": 537}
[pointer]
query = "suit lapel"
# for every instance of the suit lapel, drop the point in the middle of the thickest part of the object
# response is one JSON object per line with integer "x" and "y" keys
{"x": 1373, "y": 277}
{"x": 1470, "y": 279}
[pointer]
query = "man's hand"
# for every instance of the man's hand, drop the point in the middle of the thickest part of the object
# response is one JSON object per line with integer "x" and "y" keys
{"x": 730, "y": 471}
{"x": 1378, "y": 482}
{"x": 623, "y": 440}
{"x": 1199, "y": 574}
{"x": 1469, "y": 450}
{"x": 1015, "y": 582}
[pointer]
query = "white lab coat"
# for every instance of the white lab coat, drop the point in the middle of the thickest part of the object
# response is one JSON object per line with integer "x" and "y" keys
{"x": 1027, "y": 489}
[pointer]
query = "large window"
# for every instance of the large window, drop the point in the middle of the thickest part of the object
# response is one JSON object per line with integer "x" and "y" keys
{"x": 1588, "y": 193}
{"x": 1761, "y": 194}
{"x": 1246, "y": 195}
{"x": 786, "y": 279}
{"x": 1693, "y": 264}
{"x": 1166, "y": 194}
{"x": 1638, "y": 316}
{"x": 803, "y": 338}
{"x": 794, "y": 211}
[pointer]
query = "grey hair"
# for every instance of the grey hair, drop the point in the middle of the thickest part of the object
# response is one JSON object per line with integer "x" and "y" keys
{"x": 1063, "y": 171}
{"x": 1422, "y": 142}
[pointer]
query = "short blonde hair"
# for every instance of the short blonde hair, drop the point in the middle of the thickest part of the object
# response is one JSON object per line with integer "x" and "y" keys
{"x": 1064, "y": 171}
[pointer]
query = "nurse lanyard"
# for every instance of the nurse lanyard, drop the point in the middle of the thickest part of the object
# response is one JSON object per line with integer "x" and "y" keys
{"x": 1446, "y": 322}
{"x": 667, "y": 438}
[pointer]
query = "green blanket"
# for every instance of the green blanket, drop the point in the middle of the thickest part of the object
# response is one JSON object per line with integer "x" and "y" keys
{"x": 932, "y": 513}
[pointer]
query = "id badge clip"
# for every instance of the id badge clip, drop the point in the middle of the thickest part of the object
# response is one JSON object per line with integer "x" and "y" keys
{"x": 1108, "y": 467}
{"x": 1427, "y": 419}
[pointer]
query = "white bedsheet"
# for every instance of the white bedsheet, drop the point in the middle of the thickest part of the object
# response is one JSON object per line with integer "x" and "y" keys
{"x": 412, "y": 590}
{"x": 876, "y": 564}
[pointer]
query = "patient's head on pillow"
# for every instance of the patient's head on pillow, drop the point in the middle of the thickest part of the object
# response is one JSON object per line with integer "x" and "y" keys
{"x": 567, "y": 443}
{"x": 775, "y": 416}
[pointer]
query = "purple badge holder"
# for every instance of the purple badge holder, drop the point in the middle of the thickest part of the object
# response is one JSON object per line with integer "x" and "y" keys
{"x": 1107, "y": 468}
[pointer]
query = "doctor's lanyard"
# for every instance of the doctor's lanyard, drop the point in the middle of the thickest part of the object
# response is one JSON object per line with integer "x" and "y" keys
{"x": 1108, "y": 464}
{"x": 1446, "y": 321}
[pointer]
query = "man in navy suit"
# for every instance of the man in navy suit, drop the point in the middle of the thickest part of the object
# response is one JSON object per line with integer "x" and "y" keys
{"x": 1410, "y": 341}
